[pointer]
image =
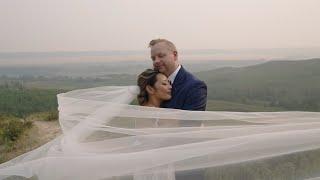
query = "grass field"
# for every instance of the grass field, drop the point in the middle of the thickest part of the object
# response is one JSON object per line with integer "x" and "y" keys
{"x": 218, "y": 105}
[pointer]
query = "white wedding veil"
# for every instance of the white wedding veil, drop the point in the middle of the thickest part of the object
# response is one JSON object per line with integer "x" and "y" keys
{"x": 104, "y": 137}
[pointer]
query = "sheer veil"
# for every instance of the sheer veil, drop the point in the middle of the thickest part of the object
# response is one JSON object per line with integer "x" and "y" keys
{"x": 104, "y": 137}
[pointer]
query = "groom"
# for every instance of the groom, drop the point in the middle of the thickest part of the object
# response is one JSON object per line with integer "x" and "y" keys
{"x": 188, "y": 92}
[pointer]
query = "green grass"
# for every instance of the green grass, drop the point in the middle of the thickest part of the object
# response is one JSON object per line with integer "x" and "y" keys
{"x": 18, "y": 136}
{"x": 295, "y": 166}
{"x": 11, "y": 128}
{"x": 51, "y": 115}
{"x": 218, "y": 105}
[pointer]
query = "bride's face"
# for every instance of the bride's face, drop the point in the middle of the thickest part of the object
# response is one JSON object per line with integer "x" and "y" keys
{"x": 162, "y": 87}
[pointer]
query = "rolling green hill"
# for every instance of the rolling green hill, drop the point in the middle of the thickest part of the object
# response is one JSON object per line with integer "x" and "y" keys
{"x": 271, "y": 86}
{"x": 21, "y": 102}
{"x": 293, "y": 85}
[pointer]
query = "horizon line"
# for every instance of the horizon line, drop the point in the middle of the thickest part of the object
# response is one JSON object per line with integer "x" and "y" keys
{"x": 147, "y": 49}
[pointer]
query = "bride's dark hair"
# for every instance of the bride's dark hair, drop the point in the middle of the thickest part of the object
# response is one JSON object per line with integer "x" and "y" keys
{"x": 147, "y": 77}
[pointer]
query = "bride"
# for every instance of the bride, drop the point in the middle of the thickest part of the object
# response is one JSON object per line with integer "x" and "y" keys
{"x": 154, "y": 88}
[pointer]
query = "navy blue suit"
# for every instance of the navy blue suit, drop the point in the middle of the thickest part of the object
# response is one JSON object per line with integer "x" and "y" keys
{"x": 188, "y": 93}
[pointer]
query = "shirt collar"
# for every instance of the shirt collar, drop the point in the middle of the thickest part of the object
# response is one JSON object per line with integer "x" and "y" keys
{"x": 172, "y": 76}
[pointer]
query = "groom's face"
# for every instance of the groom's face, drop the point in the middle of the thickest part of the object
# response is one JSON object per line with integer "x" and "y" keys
{"x": 164, "y": 59}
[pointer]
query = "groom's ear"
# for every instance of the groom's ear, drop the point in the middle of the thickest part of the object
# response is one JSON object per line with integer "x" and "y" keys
{"x": 150, "y": 89}
{"x": 175, "y": 53}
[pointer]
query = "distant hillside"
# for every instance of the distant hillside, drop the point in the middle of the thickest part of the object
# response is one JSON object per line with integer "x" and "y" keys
{"x": 294, "y": 85}
{"x": 21, "y": 102}
{"x": 271, "y": 86}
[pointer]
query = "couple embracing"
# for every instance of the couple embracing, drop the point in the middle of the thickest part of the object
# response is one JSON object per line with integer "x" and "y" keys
{"x": 169, "y": 85}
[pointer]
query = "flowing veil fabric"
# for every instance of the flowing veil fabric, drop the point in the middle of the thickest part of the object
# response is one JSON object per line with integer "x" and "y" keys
{"x": 106, "y": 138}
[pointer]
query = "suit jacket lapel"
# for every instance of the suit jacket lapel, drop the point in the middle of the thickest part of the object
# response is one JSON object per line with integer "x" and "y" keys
{"x": 178, "y": 81}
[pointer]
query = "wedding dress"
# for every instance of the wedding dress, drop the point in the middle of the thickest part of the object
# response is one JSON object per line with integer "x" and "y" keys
{"x": 104, "y": 137}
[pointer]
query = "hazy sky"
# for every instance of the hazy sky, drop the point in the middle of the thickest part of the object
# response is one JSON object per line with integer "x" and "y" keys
{"x": 85, "y": 25}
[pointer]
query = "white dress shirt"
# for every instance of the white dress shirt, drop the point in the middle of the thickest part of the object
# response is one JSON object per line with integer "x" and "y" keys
{"x": 172, "y": 76}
